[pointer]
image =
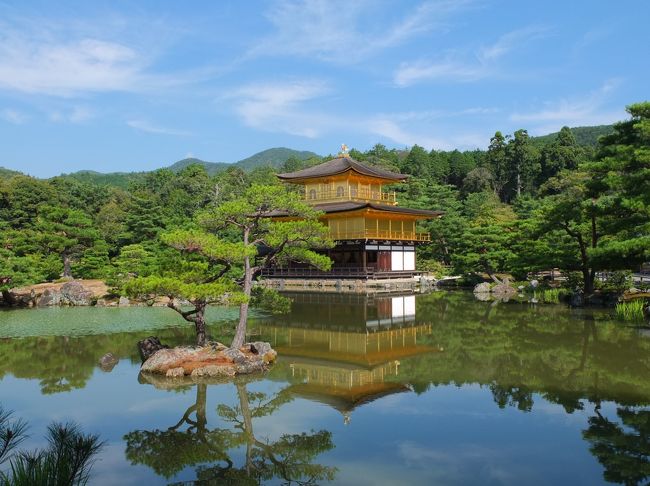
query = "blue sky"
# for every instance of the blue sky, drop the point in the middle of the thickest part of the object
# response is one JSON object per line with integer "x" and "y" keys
{"x": 123, "y": 85}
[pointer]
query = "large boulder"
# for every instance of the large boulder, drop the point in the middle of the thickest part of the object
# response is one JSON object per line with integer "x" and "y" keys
{"x": 108, "y": 362}
{"x": 482, "y": 288}
{"x": 148, "y": 346}
{"x": 74, "y": 293}
{"x": 212, "y": 360}
{"x": 49, "y": 297}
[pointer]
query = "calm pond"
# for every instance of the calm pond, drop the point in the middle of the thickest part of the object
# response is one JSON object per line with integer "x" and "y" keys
{"x": 428, "y": 389}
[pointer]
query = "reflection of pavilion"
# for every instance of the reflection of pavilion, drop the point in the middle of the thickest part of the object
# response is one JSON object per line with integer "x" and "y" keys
{"x": 344, "y": 350}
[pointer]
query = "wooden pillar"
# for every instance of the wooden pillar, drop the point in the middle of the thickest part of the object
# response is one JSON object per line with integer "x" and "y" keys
{"x": 363, "y": 258}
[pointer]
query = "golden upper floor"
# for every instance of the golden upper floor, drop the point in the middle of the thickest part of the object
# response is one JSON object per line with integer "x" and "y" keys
{"x": 344, "y": 179}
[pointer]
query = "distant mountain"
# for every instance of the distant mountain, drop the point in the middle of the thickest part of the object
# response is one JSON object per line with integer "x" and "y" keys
{"x": 273, "y": 157}
{"x": 584, "y": 135}
{"x": 212, "y": 168}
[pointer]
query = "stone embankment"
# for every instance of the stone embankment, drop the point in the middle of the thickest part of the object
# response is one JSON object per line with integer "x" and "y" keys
{"x": 68, "y": 293}
{"x": 72, "y": 292}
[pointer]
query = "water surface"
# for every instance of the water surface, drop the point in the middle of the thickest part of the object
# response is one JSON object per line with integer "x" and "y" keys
{"x": 433, "y": 389}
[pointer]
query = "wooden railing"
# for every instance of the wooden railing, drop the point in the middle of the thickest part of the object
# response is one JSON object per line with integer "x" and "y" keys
{"x": 337, "y": 272}
{"x": 371, "y": 234}
{"x": 351, "y": 193}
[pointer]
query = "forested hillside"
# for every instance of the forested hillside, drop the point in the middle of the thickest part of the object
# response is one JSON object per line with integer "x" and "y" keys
{"x": 273, "y": 157}
{"x": 517, "y": 207}
{"x": 210, "y": 167}
{"x": 587, "y": 136}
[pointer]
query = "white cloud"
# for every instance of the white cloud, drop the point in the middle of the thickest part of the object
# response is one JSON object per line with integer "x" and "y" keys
{"x": 386, "y": 127}
{"x": 78, "y": 114}
{"x": 577, "y": 111}
{"x": 66, "y": 68}
{"x": 510, "y": 41}
{"x": 145, "y": 126}
{"x": 344, "y": 32}
{"x": 277, "y": 107}
{"x": 464, "y": 65}
{"x": 289, "y": 108}
{"x": 39, "y": 56}
{"x": 413, "y": 72}
{"x": 13, "y": 116}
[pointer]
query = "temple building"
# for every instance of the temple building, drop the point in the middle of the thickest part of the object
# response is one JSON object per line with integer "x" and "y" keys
{"x": 375, "y": 238}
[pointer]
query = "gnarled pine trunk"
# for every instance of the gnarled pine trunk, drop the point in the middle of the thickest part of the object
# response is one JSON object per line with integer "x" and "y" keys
{"x": 67, "y": 266}
{"x": 240, "y": 333}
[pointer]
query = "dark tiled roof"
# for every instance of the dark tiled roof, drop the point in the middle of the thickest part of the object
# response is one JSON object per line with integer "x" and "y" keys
{"x": 352, "y": 206}
{"x": 338, "y": 166}
{"x": 345, "y": 206}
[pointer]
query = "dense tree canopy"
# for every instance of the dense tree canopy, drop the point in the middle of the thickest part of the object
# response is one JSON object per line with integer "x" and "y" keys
{"x": 524, "y": 204}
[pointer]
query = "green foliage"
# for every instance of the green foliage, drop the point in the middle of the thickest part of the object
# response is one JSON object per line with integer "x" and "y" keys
{"x": 12, "y": 433}
{"x": 524, "y": 205}
{"x": 631, "y": 310}
{"x": 618, "y": 281}
{"x": 183, "y": 287}
{"x": 584, "y": 136}
{"x": 434, "y": 267}
{"x": 620, "y": 183}
{"x": 270, "y": 300}
{"x": 67, "y": 459}
{"x": 549, "y": 296}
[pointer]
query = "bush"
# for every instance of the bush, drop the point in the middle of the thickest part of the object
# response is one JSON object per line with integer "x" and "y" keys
{"x": 574, "y": 280}
{"x": 618, "y": 281}
{"x": 433, "y": 266}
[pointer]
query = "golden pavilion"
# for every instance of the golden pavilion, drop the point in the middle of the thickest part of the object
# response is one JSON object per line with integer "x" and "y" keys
{"x": 375, "y": 238}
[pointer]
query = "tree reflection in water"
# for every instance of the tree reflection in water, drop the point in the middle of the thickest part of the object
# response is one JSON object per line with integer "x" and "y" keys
{"x": 623, "y": 449}
{"x": 190, "y": 442}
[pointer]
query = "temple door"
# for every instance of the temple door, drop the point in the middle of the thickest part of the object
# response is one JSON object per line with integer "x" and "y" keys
{"x": 383, "y": 261}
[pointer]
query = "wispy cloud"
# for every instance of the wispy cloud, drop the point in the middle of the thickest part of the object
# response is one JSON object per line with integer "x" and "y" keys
{"x": 145, "y": 126}
{"x": 78, "y": 114}
{"x": 279, "y": 107}
{"x": 13, "y": 116}
{"x": 59, "y": 59}
{"x": 412, "y": 129}
{"x": 346, "y": 32}
{"x": 291, "y": 108}
{"x": 466, "y": 65}
{"x": 586, "y": 110}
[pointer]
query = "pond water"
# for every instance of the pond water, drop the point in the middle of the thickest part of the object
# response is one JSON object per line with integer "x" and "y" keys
{"x": 427, "y": 389}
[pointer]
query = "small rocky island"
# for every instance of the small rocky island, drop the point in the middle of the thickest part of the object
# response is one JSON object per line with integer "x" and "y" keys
{"x": 212, "y": 360}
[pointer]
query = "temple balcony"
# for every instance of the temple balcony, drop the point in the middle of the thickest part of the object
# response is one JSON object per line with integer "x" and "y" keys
{"x": 349, "y": 193}
{"x": 374, "y": 234}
